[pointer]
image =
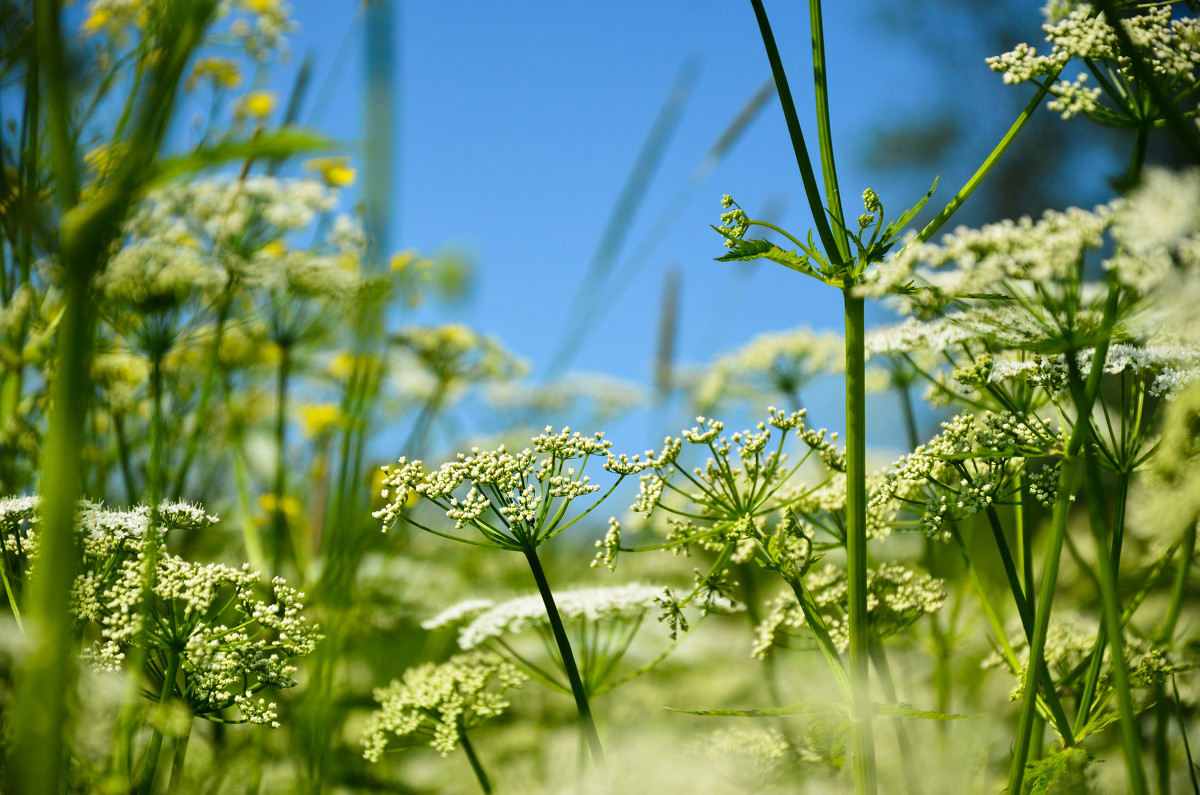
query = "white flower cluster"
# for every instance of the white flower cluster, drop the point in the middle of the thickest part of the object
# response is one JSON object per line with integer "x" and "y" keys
{"x": 615, "y": 604}
{"x": 190, "y": 239}
{"x": 1002, "y": 259}
{"x": 513, "y": 500}
{"x": 233, "y": 644}
{"x": 442, "y": 701}
{"x": 967, "y": 468}
{"x": 1171, "y": 48}
{"x": 896, "y": 597}
{"x": 781, "y": 362}
{"x": 450, "y": 357}
{"x": 600, "y": 396}
{"x": 259, "y": 27}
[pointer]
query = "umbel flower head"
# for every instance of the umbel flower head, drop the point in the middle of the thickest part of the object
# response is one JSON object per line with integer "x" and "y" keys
{"x": 602, "y": 621}
{"x": 439, "y": 703}
{"x": 232, "y": 643}
{"x": 516, "y": 501}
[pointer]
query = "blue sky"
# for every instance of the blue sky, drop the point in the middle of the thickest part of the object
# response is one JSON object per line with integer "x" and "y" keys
{"x": 518, "y": 125}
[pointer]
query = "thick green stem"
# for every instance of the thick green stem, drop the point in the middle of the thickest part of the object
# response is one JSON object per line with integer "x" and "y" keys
{"x": 46, "y": 676}
{"x": 1067, "y": 481}
{"x": 168, "y": 690}
{"x": 480, "y": 774}
{"x": 587, "y": 723}
{"x": 861, "y": 740}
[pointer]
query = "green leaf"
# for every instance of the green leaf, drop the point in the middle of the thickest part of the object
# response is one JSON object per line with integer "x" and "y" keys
{"x": 280, "y": 143}
{"x": 895, "y": 226}
{"x": 744, "y": 250}
{"x": 900, "y": 709}
{"x": 812, "y": 706}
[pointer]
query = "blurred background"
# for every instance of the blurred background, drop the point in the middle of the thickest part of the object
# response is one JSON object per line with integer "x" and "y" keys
{"x": 572, "y": 157}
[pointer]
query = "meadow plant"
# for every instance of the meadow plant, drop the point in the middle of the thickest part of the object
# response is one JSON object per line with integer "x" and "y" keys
{"x": 211, "y": 325}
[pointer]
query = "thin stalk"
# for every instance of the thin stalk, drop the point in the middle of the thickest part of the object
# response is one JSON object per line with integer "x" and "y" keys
{"x": 1092, "y": 680}
{"x": 908, "y": 757}
{"x": 168, "y": 689}
{"x": 811, "y": 191}
{"x": 1010, "y": 569}
{"x": 200, "y": 428}
{"x": 1050, "y": 702}
{"x": 1067, "y": 481}
{"x": 181, "y": 746}
{"x": 989, "y": 162}
{"x": 1162, "y": 747}
{"x": 861, "y": 740}
{"x": 480, "y": 774}
{"x": 587, "y": 723}
{"x": 279, "y": 523}
{"x": 824, "y": 131}
{"x": 1166, "y": 635}
{"x": 825, "y": 643}
{"x": 1111, "y": 602}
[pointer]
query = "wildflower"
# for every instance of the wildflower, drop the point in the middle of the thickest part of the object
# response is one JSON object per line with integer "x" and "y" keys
{"x": 257, "y": 104}
{"x": 443, "y": 701}
{"x": 336, "y": 171}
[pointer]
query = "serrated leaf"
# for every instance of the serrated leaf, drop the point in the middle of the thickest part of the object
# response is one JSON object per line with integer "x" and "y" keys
{"x": 900, "y": 709}
{"x": 745, "y": 250}
{"x": 810, "y": 706}
{"x": 280, "y": 143}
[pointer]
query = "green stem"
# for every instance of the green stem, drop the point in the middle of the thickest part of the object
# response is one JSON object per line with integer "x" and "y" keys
{"x": 811, "y": 191}
{"x": 480, "y": 774}
{"x": 825, "y": 133}
{"x": 279, "y": 522}
{"x": 1111, "y": 602}
{"x": 825, "y": 643}
{"x": 1092, "y": 680}
{"x": 1162, "y": 747}
{"x": 861, "y": 739}
{"x": 1166, "y": 635}
{"x": 989, "y": 162}
{"x": 181, "y": 746}
{"x": 46, "y": 675}
{"x": 908, "y": 756}
{"x": 1067, "y": 481}
{"x": 587, "y": 723}
{"x": 168, "y": 689}
{"x": 200, "y": 427}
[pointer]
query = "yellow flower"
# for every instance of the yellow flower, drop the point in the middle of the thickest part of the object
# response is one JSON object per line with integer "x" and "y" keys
{"x": 289, "y": 506}
{"x": 317, "y": 419}
{"x": 97, "y": 20}
{"x": 346, "y": 364}
{"x": 276, "y": 248}
{"x": 258, "y": 104}
{"x": 336, "y": 171}
{"x": 223, "y": 72}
